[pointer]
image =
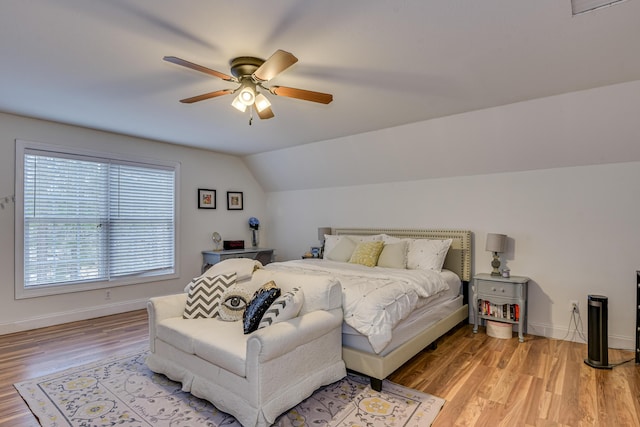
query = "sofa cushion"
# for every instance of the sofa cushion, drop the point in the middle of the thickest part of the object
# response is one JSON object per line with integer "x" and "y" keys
{"x": 258, "y": 306}
{"x": 205, "y": 293}
{"x": 218, "y": 342}
{"x": 223, "y": 345}
{"x": 181, "y": 333}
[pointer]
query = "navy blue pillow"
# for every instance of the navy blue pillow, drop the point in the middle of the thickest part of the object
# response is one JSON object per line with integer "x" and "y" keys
{"x": 261, "y": 301}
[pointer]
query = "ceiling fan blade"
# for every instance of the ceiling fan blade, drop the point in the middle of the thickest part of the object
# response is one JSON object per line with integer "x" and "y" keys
{"x": 206, "y": 96}
{"x": 200, "y": 68}
{"x": 266, "y": 113}
{"x": 277, "y": 63}
{"x": 307, "y": 95}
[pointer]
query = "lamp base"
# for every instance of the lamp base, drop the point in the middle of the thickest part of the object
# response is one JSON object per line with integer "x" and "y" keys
{"x": 496, "y": 265}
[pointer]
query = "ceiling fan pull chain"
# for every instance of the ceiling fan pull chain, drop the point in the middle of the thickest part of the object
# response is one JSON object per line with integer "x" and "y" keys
{"x": 250, "y": 116}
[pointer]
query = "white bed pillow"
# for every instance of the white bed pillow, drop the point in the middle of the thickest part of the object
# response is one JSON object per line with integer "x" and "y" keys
{"x": 393, "y": 255}
{"x": 427, "y": 254}
{"x": 331, "y": 241}
{"x": 390, "y": 239}
{"x": 342, "y": 251}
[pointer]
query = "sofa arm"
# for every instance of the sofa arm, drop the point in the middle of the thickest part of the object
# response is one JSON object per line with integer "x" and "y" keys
{"x": 278, "y": 339}
{"x": 164, "y": 307}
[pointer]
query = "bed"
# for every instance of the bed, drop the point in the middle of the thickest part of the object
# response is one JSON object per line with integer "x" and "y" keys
{"x": 412, "y": 326}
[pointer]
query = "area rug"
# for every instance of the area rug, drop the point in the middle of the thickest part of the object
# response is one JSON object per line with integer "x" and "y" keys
{"x": 123, "y": 391}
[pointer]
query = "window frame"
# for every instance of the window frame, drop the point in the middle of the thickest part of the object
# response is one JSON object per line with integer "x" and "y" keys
{"x": 22, "y": 292}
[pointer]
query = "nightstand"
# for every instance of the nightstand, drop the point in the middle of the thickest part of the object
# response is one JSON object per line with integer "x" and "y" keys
{"x": 210, "y": 258}
{"x": 501, "y": 299}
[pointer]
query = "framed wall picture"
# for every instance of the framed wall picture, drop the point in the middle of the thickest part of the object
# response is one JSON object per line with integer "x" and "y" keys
{"x": 206, "y": 199}
{"x": 234, "y": 200}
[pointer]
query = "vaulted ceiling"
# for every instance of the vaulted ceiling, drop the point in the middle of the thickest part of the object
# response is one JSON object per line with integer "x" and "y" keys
{"x": 99, "y": 64}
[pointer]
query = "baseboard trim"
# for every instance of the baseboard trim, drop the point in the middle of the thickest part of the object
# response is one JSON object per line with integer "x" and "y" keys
{"x": 72, "y": 316}
{"x": 550, "y": 331}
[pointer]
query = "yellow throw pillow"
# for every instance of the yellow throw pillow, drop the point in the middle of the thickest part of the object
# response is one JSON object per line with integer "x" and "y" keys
{"x": 367, "y": 253}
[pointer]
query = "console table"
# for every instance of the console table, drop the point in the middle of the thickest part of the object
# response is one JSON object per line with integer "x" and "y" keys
{"x": 209, "y": 258}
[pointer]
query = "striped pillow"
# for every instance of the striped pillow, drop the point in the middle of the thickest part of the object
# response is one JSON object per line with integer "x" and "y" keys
{"x": 205, "y": 294}
{"x": 286, "y": 307}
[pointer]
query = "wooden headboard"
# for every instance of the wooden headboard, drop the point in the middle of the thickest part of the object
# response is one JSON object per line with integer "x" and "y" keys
{"x": 458, "y": 258}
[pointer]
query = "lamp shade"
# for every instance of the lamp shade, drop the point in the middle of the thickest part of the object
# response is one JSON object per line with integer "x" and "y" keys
{"x": 247, "y": 95}
{"x": 238, "y": 104}
{"x": 496, "y": 242}
{"x": 261, "y": 102}
{"x": 322, "y": 231}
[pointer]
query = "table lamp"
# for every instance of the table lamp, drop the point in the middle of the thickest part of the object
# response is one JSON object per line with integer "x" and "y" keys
{"x": 496, "y": 243}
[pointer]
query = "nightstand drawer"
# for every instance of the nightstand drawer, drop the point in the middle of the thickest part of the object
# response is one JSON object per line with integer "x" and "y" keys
{"x": 506, "y": 290}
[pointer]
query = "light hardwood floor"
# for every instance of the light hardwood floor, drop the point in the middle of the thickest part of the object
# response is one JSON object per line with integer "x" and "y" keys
{"x": 486, "y": 381}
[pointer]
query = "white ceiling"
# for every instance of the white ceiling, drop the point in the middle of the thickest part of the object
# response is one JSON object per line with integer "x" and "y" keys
{"x": 98, "y": 63}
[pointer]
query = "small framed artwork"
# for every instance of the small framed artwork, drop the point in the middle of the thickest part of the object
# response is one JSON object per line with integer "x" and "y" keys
{"x": 234, "y": 200}
{"x": 206, "y": 199}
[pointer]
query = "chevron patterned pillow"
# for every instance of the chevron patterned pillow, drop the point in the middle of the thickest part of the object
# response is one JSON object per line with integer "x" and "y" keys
{"x": 286, "y": 307}
{"x": 205, "y": 293}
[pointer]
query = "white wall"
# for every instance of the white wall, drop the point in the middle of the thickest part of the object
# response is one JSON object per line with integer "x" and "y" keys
{"x": 559, "y": 175}
{"x": 574, "y": 231}
{"x": 596, "y": 126}
{"x": 199, "y": 169}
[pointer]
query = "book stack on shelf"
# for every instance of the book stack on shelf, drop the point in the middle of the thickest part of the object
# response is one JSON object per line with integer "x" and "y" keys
{"x": 499, "y": 311}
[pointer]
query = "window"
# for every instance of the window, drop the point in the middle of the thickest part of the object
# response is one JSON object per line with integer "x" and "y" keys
{"x": 90, "y": 220}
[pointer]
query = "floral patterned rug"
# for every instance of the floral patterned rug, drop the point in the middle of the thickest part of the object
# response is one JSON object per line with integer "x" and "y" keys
{"x": 123, "y": 391}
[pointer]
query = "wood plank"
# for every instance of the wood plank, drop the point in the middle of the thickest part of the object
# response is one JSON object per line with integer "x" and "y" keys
{"x": 30, "y": 354}
{"x": 486, "y": 381}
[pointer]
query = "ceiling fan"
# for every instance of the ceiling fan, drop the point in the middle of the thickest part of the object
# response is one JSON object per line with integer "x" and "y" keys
{"x": 252, "y": 74}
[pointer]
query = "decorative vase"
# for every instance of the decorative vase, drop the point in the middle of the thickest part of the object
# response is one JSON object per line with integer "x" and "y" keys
{"x": 255, "y": 239}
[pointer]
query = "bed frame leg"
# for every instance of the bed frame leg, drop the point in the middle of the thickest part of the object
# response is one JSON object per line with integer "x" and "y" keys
{"x": 376, "y": 384}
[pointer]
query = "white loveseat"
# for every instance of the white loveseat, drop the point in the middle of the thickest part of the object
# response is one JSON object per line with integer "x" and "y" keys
{"x": 258, "y": 376}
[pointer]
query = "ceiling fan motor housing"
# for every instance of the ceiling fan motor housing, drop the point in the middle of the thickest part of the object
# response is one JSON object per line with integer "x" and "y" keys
{"x": 245, "y": 66}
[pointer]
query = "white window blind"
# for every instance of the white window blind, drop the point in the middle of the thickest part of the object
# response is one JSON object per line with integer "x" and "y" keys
{"x": 89, "y": 219}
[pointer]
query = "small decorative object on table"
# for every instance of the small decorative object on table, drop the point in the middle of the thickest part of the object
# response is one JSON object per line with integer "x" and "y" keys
{"x": 254, "y": 225}
{"x": 216, "y": 240}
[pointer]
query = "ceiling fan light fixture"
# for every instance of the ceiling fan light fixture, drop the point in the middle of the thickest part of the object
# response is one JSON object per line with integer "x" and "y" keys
{"x": 238, "y": 104}
{"x": 262, "y": 102}
{"x": 247, "y": 95}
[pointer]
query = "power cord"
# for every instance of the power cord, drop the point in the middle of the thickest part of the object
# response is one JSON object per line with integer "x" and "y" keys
{"x": 576, "y": 319}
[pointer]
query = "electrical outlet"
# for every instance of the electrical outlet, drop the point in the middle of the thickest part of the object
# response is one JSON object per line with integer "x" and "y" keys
{"x": 107, "y": 295}
{"x": 573, "y": 306}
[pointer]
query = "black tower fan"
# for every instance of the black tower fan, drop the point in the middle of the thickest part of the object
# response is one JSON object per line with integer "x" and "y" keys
{"x": 598, "y": 345}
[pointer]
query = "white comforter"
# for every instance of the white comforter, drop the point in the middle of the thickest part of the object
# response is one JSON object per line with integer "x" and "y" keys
{"x": 374, "y": 299}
